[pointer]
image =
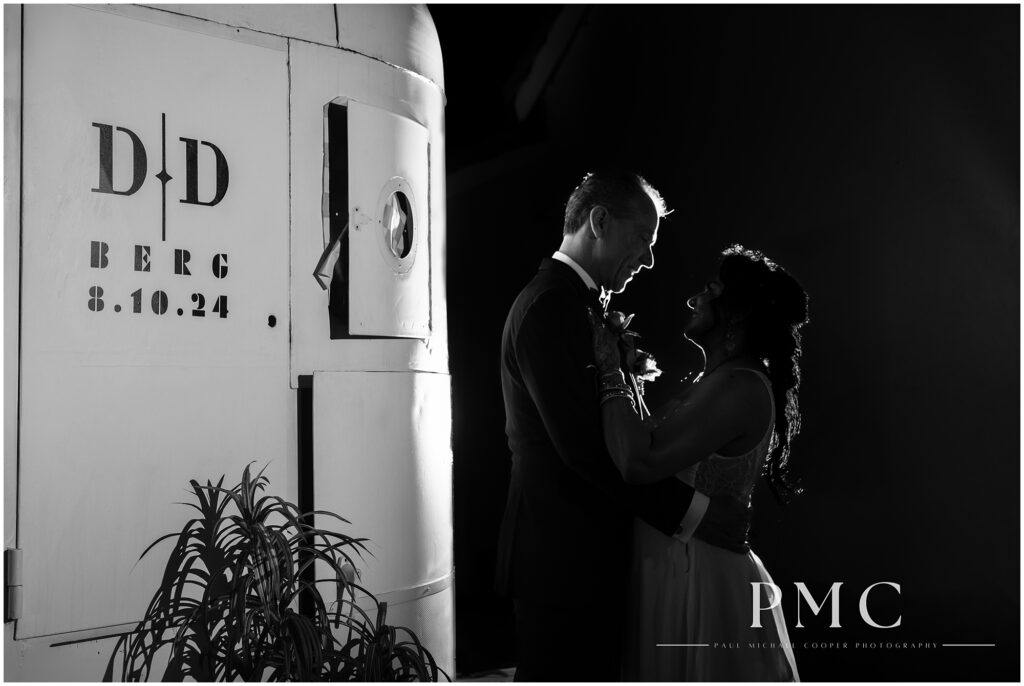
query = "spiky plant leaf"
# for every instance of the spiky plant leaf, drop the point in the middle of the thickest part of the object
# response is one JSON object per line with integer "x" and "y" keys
{"x": 226, "y": 605}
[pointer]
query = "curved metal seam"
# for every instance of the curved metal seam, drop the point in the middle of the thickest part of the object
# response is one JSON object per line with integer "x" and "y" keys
{"x": 392, "y": 598}
{"x": 303, "y": 40}
{"x": 401, "y": 596}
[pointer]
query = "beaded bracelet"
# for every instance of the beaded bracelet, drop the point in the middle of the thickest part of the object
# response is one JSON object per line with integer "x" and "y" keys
{"x": 615, "y": 379}
{"x": 615, "y": 393}
{"x": 609, "y": 396}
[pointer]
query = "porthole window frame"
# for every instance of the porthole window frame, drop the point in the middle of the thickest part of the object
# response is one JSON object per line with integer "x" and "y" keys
{"x": 399, "y": 265}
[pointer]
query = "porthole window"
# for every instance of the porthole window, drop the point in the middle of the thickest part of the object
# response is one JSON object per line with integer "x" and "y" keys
{"x": 395, "y": 225}
{"x": 399, "y": 225}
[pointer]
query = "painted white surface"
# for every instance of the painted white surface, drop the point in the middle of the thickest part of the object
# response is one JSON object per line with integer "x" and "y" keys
{"x": 382, "y": 460}
{"x": 399, "y": 34}
{"x": 35, "y": 660}
{"x": 120, "y": 409}
{"x": 185, "y": 22}
{"x": 388, "y": 296}
{"x": 310, "y": 22}
{"x": 319, "y": 76}
{"x": 433, "y": 617}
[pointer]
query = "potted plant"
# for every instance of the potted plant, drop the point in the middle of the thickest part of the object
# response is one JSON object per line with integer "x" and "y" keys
{"x": 228, "y": 605}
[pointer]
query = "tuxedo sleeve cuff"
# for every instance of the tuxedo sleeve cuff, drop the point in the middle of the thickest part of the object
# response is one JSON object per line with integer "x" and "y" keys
{"x": 693, "y": 517}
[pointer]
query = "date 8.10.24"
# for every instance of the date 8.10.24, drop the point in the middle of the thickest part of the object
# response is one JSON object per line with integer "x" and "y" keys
{"x": 158, "y": 300}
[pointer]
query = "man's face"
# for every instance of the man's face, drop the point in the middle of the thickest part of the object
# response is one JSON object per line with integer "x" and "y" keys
{"x": 628, "y": 245}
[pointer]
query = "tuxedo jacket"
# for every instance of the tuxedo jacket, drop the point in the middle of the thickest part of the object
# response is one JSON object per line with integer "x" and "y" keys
{"x": 566, "y": 531}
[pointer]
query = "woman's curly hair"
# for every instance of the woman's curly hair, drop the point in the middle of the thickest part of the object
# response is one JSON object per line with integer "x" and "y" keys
{"x": 776, "y": 306}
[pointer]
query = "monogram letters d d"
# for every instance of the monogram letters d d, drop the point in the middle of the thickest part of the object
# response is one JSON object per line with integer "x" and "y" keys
{"x": 139, "y": 163}
{"x": 106, "y": 184}
{"x": 192, "y": 172}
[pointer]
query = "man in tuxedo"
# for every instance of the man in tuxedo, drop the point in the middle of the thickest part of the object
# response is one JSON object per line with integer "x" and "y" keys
{"x": 563, "y": 551}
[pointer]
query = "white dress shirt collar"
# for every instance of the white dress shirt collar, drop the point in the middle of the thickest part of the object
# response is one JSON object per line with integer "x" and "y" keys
{"x": 565, "y": 259}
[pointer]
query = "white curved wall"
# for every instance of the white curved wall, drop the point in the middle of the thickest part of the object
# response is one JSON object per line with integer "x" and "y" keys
{"x": 120, "y": 406}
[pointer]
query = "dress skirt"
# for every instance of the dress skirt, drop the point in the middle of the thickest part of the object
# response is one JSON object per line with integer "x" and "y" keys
{"x": 690, "y": 610}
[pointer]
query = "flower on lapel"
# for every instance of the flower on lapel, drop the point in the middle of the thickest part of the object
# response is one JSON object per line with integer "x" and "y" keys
{"x": 641, "y": 364}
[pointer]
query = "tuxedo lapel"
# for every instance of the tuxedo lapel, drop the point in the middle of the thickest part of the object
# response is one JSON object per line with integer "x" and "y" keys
{"x": 564, "y": 272}
{"x": 592, "y": 299}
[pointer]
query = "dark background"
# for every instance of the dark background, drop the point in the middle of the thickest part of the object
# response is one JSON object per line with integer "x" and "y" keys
{"x": 873, "y": 151}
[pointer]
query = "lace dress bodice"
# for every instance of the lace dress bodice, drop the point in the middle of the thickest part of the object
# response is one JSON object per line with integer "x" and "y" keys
{"x": 719, "y": 474}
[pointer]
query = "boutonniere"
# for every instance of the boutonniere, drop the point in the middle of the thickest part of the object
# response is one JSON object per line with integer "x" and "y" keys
{"x": 640, "y": 363}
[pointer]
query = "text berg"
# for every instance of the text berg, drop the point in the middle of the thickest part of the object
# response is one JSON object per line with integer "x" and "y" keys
{"x": 99, "y": 259}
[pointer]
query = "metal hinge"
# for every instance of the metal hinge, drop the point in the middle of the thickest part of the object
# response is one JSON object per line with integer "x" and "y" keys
{"x": 12, "y": 584}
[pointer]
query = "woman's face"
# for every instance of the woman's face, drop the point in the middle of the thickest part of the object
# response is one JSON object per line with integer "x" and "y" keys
{"x": 703, "y": 317}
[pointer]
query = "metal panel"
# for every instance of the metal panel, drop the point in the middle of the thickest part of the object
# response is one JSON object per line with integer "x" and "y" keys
{"x": 129, "y": 392}
{"x": 383, "y": 460}
{"x": 310, "y": 22}
{"x": 389, "y": 293}
{"x": 320, "y": 76}
{"x": 433, "y": 617}
{"x": 397, "y": 33}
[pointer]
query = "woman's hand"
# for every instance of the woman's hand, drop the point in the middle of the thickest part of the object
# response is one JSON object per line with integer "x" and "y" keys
{"x": 606, "y": 345}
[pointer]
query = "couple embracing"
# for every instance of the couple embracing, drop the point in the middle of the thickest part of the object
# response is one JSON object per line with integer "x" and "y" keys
{"x": 623, "y": 544}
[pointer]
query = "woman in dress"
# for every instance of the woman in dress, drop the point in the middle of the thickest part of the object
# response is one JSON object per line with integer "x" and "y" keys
{"x": 735, "y": 421}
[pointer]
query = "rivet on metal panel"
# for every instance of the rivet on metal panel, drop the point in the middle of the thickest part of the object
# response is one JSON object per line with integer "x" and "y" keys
{"x": 361, "y": 219}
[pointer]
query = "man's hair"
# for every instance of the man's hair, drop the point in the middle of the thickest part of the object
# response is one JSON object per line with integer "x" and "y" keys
{"x": 616, "y": 190}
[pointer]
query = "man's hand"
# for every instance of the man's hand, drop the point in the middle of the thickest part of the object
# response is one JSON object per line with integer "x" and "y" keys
{"x": 726, "y": 524}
